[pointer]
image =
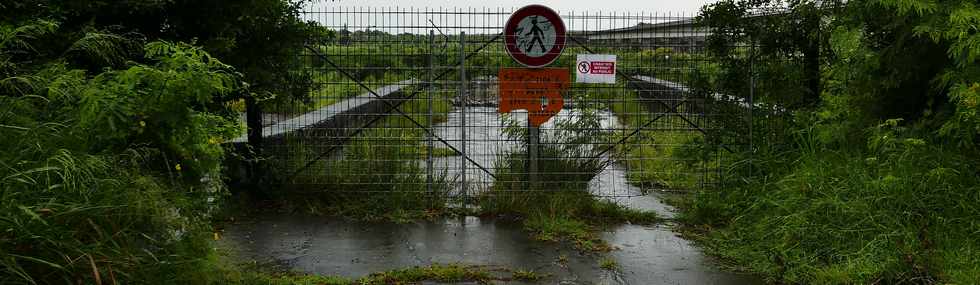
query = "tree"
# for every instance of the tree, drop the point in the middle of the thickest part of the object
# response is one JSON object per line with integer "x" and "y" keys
{"x": 258, "y": 37}
{"x": 914, "y": 60}
{"x": 778, "y": 33}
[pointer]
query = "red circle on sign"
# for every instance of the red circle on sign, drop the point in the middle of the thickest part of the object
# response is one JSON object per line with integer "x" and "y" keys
{"x": 510, "y": 35}
{"x": 583, "y": 67}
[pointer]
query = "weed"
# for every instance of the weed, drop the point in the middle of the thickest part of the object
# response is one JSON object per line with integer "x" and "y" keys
{"x": 560, "y": 228}
{"x": 571, "y": 213}
{"x": 254, "y": 274}
{"x": 526, "y": 275}
{"x": 558, "y": 206}
{"x": 608, "y": 263}
{"x": 438, "y": 273}
{"x": 563, "y": 259}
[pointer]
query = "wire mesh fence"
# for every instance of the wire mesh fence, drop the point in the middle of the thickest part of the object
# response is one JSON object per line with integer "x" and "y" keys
{"x": 407, "y": 101}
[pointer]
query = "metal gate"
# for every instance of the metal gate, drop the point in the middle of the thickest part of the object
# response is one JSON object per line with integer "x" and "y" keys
{"x": 405, "y": 100}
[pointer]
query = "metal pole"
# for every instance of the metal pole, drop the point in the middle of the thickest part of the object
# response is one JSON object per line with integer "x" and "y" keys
{"x": 253, "y": 122}
{"x": 428, "y": 135}
{"x": 462, "y": 100}
{"x": 751, "y": 108}
{"x": 533, "y": 138}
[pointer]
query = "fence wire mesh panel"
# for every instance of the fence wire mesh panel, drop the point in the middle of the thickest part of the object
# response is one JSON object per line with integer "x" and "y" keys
{"x": 406, "y": 101}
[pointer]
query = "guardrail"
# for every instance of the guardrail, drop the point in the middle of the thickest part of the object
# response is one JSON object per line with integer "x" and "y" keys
{"x": 677, "y": 89}
{"x": 337, "y": 118}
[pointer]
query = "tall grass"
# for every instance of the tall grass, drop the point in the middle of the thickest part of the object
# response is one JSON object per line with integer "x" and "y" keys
{"x": 376, "y": 175}
{"x": 75, "y": 217}
{"x": 372, "y": 180}
{"x": 557, "y": 205}
{"x": 69, "y": 216}
{"x": 901, "y": 210}
{"x": 668, "y": 153}
{"x": 107, "y": 179}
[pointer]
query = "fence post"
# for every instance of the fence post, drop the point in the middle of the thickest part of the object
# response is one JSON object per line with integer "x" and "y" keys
{"x": 428, "y": 136}
{"x": 462, "y": 100}
{"x": 751, "y": 108}
{"x": 253, "y": 123}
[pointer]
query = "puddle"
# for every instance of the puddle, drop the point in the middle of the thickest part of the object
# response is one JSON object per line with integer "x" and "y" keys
{"x": 486, "y": 141}
{"x": 646, "y": 255}
{"x": 612, "y": 184}
{"x": 327, "y": 246}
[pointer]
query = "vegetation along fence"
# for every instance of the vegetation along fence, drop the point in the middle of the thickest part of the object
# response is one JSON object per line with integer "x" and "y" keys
{"x": 407, "y": 102}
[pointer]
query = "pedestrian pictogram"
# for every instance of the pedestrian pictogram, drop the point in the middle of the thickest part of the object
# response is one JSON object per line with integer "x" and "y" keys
{"x": 584, "y": 67}
{"x": 535, "y": 36}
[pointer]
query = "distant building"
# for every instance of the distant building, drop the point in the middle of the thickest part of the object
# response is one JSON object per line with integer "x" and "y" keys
{"x": 681, "y": 35}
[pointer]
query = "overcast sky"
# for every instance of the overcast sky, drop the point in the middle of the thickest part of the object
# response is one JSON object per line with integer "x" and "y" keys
{"x": 650, "y": 6}
{"x": 579, "y": 15}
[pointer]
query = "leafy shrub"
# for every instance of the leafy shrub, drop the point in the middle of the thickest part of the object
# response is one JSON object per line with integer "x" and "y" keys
{"x": 877, "y": 182}
{"x": 107, "y": 178}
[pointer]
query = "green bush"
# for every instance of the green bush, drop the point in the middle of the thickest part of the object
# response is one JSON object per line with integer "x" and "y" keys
{"x": 876, "y": 181}
{"x": 107, "y": 178}
{"x": 258, "y": 37}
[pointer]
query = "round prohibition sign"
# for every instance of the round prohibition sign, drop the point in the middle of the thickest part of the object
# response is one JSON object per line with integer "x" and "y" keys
{"x": 584, "y": 67}
{"x": 535, "y": 36}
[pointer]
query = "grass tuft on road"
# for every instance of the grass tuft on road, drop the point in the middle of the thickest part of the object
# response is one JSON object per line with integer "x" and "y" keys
{"x": 438, "y": 273}
{"x": 560, "y": 207}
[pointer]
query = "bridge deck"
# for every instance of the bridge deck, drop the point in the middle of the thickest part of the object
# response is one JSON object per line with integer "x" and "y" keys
{"x": 331, "y": 115}
{"x": 337, "y": 114}
{"x": 678, "y": 87}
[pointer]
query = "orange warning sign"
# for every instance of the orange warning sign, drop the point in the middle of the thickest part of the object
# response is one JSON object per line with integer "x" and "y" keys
{"x": 536, "y": 90}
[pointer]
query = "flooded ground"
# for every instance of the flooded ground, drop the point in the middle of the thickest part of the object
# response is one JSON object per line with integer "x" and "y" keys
{"x": 327, "y": 246}
{"x": 646, "y": 255}
{"x": 486, "y": 141}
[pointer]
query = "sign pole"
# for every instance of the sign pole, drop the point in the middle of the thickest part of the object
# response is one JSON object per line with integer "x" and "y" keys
{"x": 533, "y": 138}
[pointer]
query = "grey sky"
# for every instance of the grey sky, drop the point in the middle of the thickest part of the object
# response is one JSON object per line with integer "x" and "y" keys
{"x": 578, "y": 15}
{"x": 648, "y": 6}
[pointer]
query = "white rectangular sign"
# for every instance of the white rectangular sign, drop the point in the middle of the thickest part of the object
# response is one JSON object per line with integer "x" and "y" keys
{"x": 596, "y": 68}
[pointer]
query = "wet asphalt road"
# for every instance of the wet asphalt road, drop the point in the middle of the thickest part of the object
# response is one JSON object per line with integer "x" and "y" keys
{"x": 646, "y": 254}
{"x": 329, "y": 246}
